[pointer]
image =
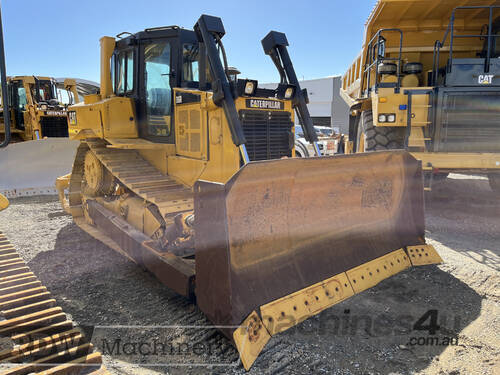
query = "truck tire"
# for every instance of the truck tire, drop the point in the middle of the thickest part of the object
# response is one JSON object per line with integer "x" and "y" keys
{"x": 441, "y": 176}
{"x": 300, "y": 151}
{"x": 494, "y": 180}
{"x": 375, "y": 138}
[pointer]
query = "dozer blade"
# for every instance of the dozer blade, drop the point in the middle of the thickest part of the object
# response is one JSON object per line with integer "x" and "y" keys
{"x": 285, "y": 239}
{"x": 4, "y": 202}
{"x": 30, "y": 168}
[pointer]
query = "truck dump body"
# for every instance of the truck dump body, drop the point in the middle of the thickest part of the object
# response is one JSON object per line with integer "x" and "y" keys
{"x": 423, "y": 22}
{"x": 428, "y": 80}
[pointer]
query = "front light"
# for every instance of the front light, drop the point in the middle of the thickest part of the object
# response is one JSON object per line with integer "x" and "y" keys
{"x": 43, "y": 107}
{"x": 391, "y": 117}
{"x": 288, "y": 92}
{"x": 382, "y": 118}
{"x": 249, "y": 88}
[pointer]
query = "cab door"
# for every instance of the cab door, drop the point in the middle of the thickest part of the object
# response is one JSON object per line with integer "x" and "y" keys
{"x": 158, "y": 72}
{"x": 18, "y": 104}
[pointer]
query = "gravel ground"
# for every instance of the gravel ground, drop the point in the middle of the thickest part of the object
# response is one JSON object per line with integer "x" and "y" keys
{"x": 371, "y": 333}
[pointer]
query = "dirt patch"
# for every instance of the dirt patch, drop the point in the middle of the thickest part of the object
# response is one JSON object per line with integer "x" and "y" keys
{"x": 371, "y": 333}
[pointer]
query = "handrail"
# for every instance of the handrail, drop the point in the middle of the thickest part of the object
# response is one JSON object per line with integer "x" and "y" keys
{"x": 371, "y": 61}
{"x": 450, "y": 31}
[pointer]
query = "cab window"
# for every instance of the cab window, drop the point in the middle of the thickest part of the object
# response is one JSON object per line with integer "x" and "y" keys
{"x": 21, "y": 98}
{"x": 130, "y": 72}
{"x": 190, "y": 63}
{"x": 158, "y": 90}
{"x": 46, "y": 90}
{"x": 113, "y": 72}
{"x": 124, "y": 72}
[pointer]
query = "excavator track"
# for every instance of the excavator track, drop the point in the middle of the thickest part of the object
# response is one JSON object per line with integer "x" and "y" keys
{"x": 42, "y": 339}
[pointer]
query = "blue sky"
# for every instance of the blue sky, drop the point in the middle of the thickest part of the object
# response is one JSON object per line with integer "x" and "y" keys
{"x": 60, "y": 38}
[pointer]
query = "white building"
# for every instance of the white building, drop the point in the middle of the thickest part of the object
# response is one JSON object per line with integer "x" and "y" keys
{"x": 326, "y": 106}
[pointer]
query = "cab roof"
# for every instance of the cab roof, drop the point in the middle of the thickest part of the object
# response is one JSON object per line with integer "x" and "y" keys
{"x": 18, "y": 78}
{"x": 126, "y": 38}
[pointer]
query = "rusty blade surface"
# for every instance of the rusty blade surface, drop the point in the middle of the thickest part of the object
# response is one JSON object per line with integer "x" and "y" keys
{"x": 279, "y": 226}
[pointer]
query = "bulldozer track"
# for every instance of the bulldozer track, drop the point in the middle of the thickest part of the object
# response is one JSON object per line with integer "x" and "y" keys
{"x": 42, "y": 339}
{"x": 142, "y": 179}
{"x": 138, "y": 175}
{"x": 134, "y": 172}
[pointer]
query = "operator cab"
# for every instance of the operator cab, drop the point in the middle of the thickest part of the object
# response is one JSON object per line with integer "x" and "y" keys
{"x": 481, "y": 70}
{"x": 495, "y": 41}
{"x": 44, "y": 91}
{"x": 148, "y": 65}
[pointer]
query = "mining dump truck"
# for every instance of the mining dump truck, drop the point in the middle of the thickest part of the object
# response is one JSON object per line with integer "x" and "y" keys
{"x": 427, "y": 80}
{"x": 190, "y": 172}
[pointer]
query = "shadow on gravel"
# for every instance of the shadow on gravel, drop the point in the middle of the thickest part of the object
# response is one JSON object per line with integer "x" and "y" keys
{"x": 374, "y": 333}
{"x": 369, "y": 333}
{"x": 98, "y": 287}
{"x": 462, "y": 214}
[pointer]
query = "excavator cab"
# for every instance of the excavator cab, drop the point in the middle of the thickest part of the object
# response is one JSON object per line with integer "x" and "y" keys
{"x": 190, "y": 172}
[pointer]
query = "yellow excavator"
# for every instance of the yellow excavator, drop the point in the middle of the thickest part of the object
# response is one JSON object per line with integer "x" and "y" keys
{"x": 190, "y": 172}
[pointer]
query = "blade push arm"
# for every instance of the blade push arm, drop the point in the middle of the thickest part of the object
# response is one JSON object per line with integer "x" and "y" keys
{"x": 209, "y": 29}
{"x": 274, "y": 45}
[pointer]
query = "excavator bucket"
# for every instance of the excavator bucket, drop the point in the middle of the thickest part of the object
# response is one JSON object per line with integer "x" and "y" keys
{"x": 286, "y": 239}
{"x": 30, "y": 168}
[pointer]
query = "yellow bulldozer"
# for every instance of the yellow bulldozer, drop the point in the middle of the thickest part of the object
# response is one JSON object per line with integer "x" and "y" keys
{"x": 4, "y": 202}
{"x": 34, "y": 126}
{"x": 427, "y": 80}
{"x": 39, "y": 149}
{"x": 35, "y": 110}
{"x": 190, "y": 171}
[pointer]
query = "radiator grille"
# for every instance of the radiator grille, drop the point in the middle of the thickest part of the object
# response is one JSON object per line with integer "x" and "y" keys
{"x": 189, "y": 133}
{"x": 268, "y": 134}
{"x": 470, "y": 122}
{"x": 54, "y": 126}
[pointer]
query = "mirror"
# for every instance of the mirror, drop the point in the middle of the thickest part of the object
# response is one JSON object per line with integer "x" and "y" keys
{"x": 381, "y": 48}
